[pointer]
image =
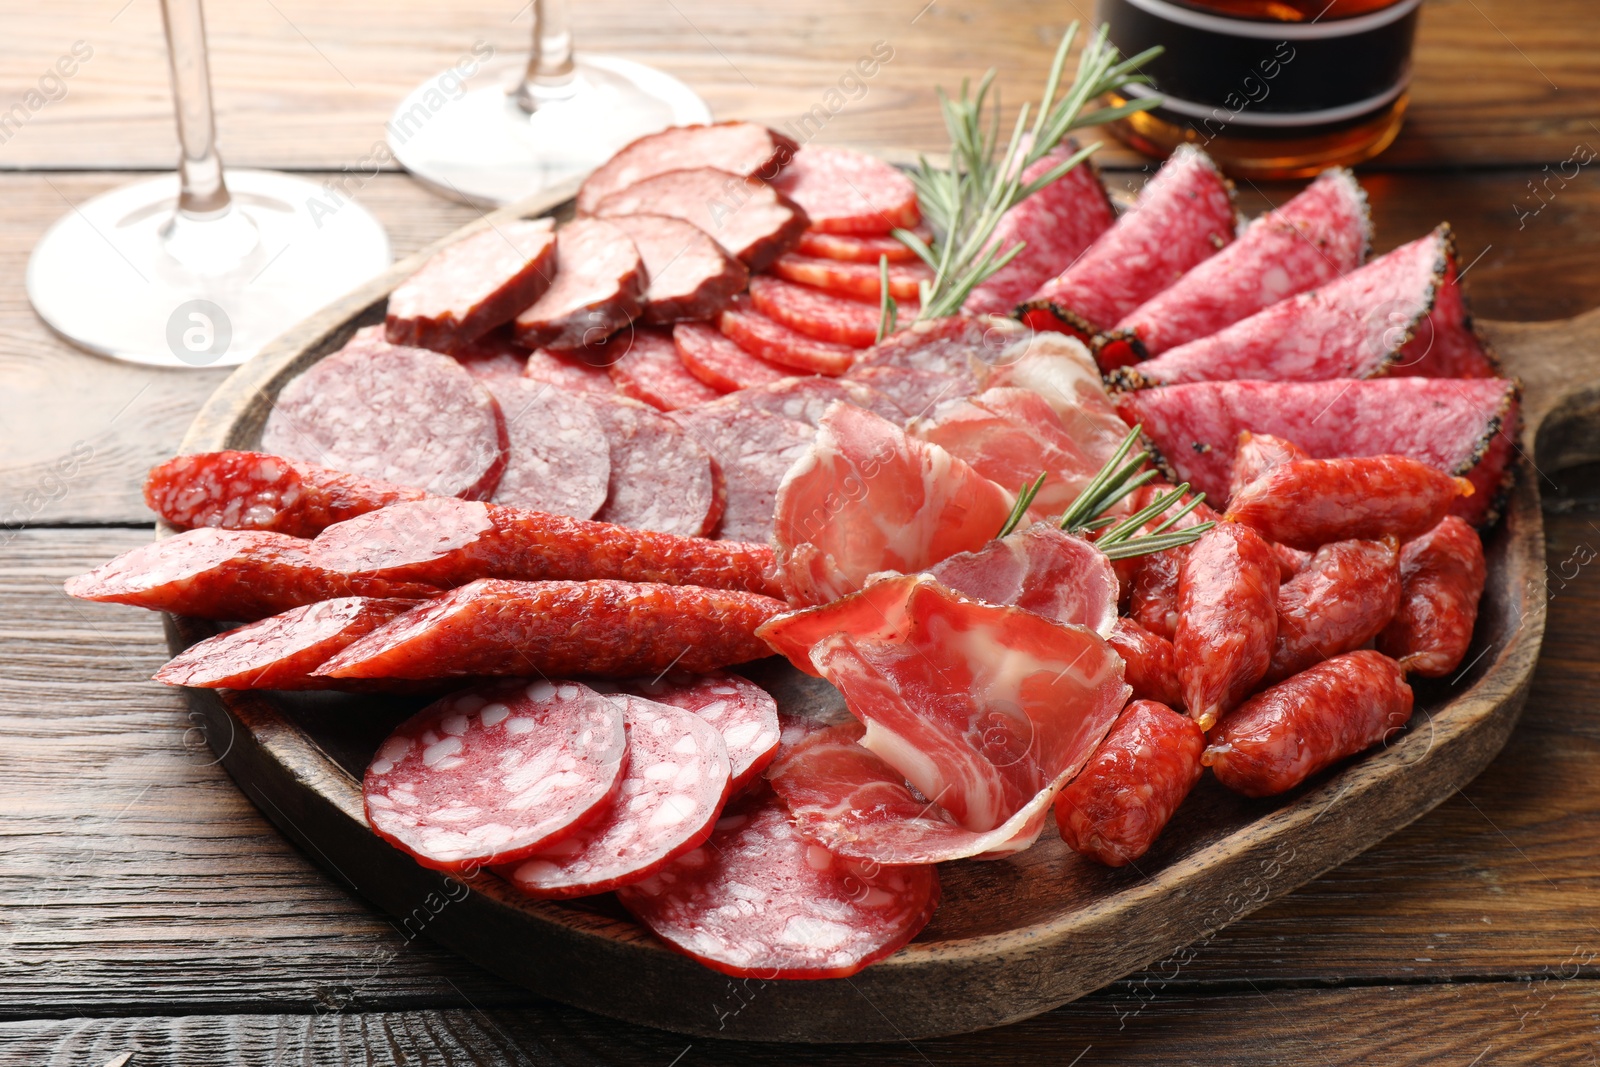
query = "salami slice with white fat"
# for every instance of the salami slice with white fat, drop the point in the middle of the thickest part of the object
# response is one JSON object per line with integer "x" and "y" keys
{"x": 807, "y": 399}
{"x": 559, "y": 461}
{"x": 691, "y": 277}
{"x": 598, "y": 289}
{"x": 394, "y": 413}
{"x": 671, "y": 793}
{"x": 819, "y": 314}
{"x": 720, "y": 363}
{"x": 661, "y": 479}
{"x": 468, "y": 288}
{"x": 774, "y": 342}
{"x": 754, "y": 450}
{"x": 745, "y": 713}
{"x": 758, "y": 899}
{"x": 843, "y": 191}
{"x": 574, "y": 370}
{"x": 914, "y": 392}
{"x": 742, "y": 148}
{"x": 651, "y": 371}
{"x": 748, "y": 218}
{"x": 495, "y": 773}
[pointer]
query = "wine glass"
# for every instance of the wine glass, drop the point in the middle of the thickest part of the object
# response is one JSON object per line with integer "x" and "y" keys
{"x": 200, "y": 268}
{"x": 537, "y": 124}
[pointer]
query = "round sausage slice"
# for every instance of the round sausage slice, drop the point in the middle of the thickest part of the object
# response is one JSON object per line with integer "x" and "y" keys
{"x": 748, "y": 218}
{"x": 842, "y": 191}
{"x": 598, "y": 289}
{"x": 719, "y": 362}
{"x": 744, "y": 712}
{"x": 742, "y": 148}
{"x": 754, "y": 449}
{"x": 651, "y": 371}
{"x": 691, "y": 277}
{"x": 560, "y": 461}
{"x": 468, "y": 288}
{"x": 660, "y": 478}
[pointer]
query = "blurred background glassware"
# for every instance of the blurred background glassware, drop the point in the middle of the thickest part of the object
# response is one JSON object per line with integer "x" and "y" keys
{"x": 537, "y": 124}
{"x": 1270, "y": 88}
{"x": 203, "y": 267}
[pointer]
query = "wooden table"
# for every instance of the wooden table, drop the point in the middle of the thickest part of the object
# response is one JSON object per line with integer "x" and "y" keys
{"x": 145, "y": 905}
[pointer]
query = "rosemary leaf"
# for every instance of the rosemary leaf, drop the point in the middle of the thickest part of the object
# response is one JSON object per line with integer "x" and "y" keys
{"x": 1143, "y": 546}
{"x": 888, "y": 310}
{"x": 1025, "y": 497}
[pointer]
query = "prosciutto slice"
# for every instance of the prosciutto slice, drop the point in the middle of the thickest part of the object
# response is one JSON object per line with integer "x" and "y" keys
{"x": 1042, "y": 569}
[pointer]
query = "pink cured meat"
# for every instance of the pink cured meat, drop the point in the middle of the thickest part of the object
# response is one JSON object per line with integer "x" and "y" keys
{"x": 1149, "y": 663}
{"x": 1311, "y": 240}
{"x": 859, "y": 248}
{"x": 598, "y": 289}
{"x": 1401, "y": 314}
{"x": 744, "y": 713}
{"x": 571, "y": 370}
{"x": 866, "y": 498}
{"x": 1312, "y": 502}
{"x": 860, "y": 281}
{"x": 720, "y": 363}
{"x": 752, "y": 222}
{"x": 1343, "y": 598}
{"x": 238, "y": 575}
{"x": 745, "y": 148}
{"x": 848, "y": 192}
{"x": 816, "y": 313}
{"x": 1442, "y": 574}
{"x": 559, "y": 459}
{"x": 985, "y": 710}
{"x": 774, "y": 342}
{"x": 1182, "y": 217}
{"x": 956, "y": 346}
{"x": 691, "y": 277}
{"x": 255, "y": 491}
{"x": 281, "y": 652}
{"x": 1466, "y": 428}
{"x": 468, "y": 288}
{"x": 1063, "y": 372}
{"x": 808, "y": 399}
{"x": 914, "y": 392}
{"x": 494, "y": 773}
{"x": 754, "y": 450}
{"x": 491, "y": 357}
{"x": 660, "y": 478}
{"x": 1257, "y": 454}
{"x": 759, "y": 900}
{"x": 1057, "y": 224}
{"x": 392, "y": 413}
{"x": 672, "y": 790}
{"x": 650, "y": 371}
{"x": 1042, "y": 569}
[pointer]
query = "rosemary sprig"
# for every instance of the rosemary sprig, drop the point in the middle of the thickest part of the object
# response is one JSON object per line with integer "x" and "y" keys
{"x": 965, "y": 201}
{"x": 888, "y": 310}
{"x": 1116, "y": 479}
{"x": 1025, "y": 497}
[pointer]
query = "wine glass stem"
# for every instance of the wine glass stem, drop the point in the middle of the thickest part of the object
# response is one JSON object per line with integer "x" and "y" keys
{"x": 550, "y": 71}
{"x": 203, "y": 192}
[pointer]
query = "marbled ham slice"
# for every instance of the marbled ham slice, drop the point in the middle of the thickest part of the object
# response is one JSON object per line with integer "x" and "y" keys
{"x": 1042, "y": 569}
{"x": 865, "y": 498}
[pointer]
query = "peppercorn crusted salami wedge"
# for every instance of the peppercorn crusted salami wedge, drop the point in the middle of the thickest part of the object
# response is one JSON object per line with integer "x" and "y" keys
{"x": 741, "y": 148}
{"x": 691, "y": 277}
{"x": 651, "y": 371}
{"x": 661, "y": 478}
{"x": 751, "y": 220}
{"x": 847, "y": 192}
{"x": 1042, "y": 569}
{"x": 558, "y": 459}
{"x": 744, "y": 713}
{"x": 754, "y": 449}
{"x": 494, "y": 773}
{"x": 599, "y": 288}
{"x": 470, "y": 287}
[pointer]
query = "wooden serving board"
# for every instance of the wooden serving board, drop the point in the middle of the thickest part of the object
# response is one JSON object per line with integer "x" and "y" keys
{"x": 1012, "y": 938}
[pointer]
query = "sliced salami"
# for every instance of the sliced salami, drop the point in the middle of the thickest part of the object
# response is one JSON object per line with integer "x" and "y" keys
{"x": 760, "y": 900}
{"x": 914, "y": 392}
{"x": 771, "y": 340}
{"x": 599, "y": 289}
{"x": 816, "y": 313}
{"x": 720, "y": 363}
{"x": 468, "y": 288}
{"x": 572, "y": 370}
{"x": 745, "y": 713}
{"x": 671, "y": 793}
{"x": 394, "y": 413}
{"x": 560, "y": 461}
{"x": 754, "y": 449}
{"x": 862, "y": 281}
{"x": 281, "y": 652}
{"x": 650, "y": 371}
{"x": 661, "y": 479}
{"x": 843, "y": 191}
{"x": 808, "y": 399}
{"x": 743, "y": 148}
{"x": 1183, "y": 216}
{"x": 1314, "y": 238}
{"x": 748, "y": 218}
{"x": 492, "y": 356}
{"x": 954, "y": 346}
{"x": 1056, "y": 224}
{"x": 1466, "y": 428}
{"x": 859, "y": 248}
{"x": 691, "y": 277}
{"x": 496, "y": 772}
{"x": 1042, "y": 569}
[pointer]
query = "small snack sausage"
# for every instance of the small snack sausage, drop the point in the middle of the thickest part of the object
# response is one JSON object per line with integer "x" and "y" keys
{"x": 1227, "y": 619}
{"x": 470, "y": 287}
{"x": 1119, "y": 803}
{"x": 743, "y": 148}
{"x": 1259, "y": 453}
{"x": 1151, "y": 667}
{"x": 1311, "y": 502}
{"x": 598, "y": 289}
{"x": 748, "y": 218}
{"x": 1282, "y": 736}
{"x": 1153, "y": 599}
{"x": 691, "y": 277}
{"x": 1442, "y": 575}
{"x": 1342, "y": 599}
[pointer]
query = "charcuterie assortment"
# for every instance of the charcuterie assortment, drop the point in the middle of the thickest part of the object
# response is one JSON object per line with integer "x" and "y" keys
{"x": 1067, "y": 515}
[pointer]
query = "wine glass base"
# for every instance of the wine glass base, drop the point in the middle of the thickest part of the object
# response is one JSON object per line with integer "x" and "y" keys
{"x": 105, "y": 276}
{"x": 479, "y": 147}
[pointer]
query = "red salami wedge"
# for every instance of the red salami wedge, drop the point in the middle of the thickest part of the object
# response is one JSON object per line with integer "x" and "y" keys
{"x": 495, "y": 773}
{"x": 560, "y": 461}
{"x": 1401, "y": 314}
{"x": 670, "y": 796}
{"x": 748, "y": 218}
{"x": 771, "y": 340}
{"x": 599, "y": 289}
{"x": 1316, "y": 237}
{"x": 859, "y": 248}
{"x": 255, "y": 491}
{"x": 754, "y": 449}
{"x": 760, "y": 900}
{"x": 470, "y": 287}
{"x": 1183, "y": 216}
{"x": 358, "y": 411}
{"x": 691, "y": 277}
{"x": 849, "y": 192}
{"x": 1465, "y": 428}
{"x": 862, "y": 281}
{"x": 742, "y": 148}
{"x": 720, "y": 363}
{"x": 492, "y": 356}
{"x": 660, "y": 478}
{"x": 281, "y": 652}
{"x": 1056, "y": 224}
{"x": 818, "y": 314}
{"x": 746, "y": 715}
{"x": 650, "y": 371}
{"x": 808, "y": 399}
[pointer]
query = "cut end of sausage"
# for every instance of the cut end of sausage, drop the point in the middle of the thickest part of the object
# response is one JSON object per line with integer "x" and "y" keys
{"x": 598, "y": 289}
{"x": 743, "y": 148}
{"x": 751, "y": 220}
{"x": 691, "y": 276}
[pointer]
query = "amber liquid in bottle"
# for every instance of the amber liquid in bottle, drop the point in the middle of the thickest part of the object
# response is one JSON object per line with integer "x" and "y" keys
{"x": 1270, "y": 88}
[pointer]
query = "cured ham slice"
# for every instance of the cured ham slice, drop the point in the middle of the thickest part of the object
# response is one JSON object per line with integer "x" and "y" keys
{"x": 1042, "y": 569}
{"x": 865, "y": 497}
{"x": 1061, "y": 370}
